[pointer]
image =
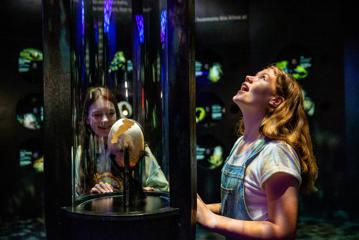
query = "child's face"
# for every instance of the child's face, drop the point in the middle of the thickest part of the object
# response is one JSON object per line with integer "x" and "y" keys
{"x": 101, "y": 116}
{"x": 118, "y": 152}
{"x": 256, "y": 91}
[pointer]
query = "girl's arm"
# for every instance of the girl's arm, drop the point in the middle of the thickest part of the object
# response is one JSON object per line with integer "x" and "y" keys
{"x": 282, "y": 199}
{"x": 213, "y": 207}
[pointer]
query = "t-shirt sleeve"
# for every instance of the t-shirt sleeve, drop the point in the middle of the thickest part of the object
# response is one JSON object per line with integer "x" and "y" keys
{"x": 154, "y": 175}
{"x": 279, "y": 157}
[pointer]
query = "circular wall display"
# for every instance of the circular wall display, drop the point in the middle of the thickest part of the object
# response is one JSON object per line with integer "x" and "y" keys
{"x": 210, "y": 109}
{"x": 31, "y": 154}
{"x": 208, "y": 73}
{"x": 30, "y": 112}
{"x": 209, "y": 152}
{"x": 295, "y": 60}
{"x": 30, "y": 64}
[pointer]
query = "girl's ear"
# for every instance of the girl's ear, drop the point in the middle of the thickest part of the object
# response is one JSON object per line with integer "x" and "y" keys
{"x": 276, "y": 101}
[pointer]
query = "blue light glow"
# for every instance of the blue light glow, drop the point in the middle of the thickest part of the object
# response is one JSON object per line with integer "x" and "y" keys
{"x": 163, "y": 26}
{"x": 107, "y": 15}
{"x": 82, "y": 18}
{"x": 140, "y": 27}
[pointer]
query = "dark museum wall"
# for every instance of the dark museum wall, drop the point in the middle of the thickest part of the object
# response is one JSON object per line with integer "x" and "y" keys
{"x": 249, "y": 36}
{"x": 20, "y": 93}
{"x": 222, "y": 39}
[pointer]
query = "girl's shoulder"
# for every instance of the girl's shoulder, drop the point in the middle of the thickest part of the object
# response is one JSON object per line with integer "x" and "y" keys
{"x": 279, "y": 146}
{"x": 278, "y": 156}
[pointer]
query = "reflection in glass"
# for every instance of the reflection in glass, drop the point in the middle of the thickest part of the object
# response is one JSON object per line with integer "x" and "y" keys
{"x": 30, "y": 112}
{"x": 99, "y": 112}
{"x": 110, "y": 203}
{"x": 125, "y": 109}
{"x": 111, "y": 82}
{"x": 102, "y": 49}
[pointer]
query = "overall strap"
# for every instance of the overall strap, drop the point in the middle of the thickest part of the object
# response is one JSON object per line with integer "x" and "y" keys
{"x": 244, "y": 212}
{"x": 257, "y": 149}
{"x": 234, "y": 147}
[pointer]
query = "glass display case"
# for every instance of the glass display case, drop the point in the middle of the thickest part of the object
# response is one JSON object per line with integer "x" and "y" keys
{"x": 126, "y": 168}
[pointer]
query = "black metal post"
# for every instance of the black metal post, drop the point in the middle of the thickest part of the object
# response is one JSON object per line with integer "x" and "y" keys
{"x": 126, "y": 180}
{"x": 57, "y": 112}
{"x": 181, "y": 110}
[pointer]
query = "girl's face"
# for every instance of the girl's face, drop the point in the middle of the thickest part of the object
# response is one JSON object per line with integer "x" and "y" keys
{"x": 119, "y": 157}
{"x": 257, "y": 91}
{"x": 101, "y": 116}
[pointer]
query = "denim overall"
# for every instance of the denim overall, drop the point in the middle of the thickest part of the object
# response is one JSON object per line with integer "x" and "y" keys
{"x": 232, "y": 183}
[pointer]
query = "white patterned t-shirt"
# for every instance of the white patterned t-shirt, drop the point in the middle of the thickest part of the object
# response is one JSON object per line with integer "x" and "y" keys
{"x": 276, "y": 156}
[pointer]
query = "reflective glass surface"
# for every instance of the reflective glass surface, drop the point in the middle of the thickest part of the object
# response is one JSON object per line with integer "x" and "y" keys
{"x": 118, "y": 73}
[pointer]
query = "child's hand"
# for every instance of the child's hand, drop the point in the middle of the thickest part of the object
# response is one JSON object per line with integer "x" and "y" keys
{"x": 102, "y": 187}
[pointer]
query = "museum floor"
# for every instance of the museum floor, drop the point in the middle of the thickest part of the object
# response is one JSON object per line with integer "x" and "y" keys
{"x": 308, "y": 228}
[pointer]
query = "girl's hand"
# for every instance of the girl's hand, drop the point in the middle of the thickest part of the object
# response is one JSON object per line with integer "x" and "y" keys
{"x": 205, "y": 217}
{"x": 102, "y": 187}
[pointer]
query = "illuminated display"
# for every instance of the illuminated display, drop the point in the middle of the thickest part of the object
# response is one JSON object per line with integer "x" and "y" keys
{"x": 309, "y": 105}
{"x": 209, "y": 152}
{"x": 207, "y": 73}
{"x": 30, "y": 64}
{"x": 31, "y": 155}
{"x": 298, "y": 68}
{"x": 200, "y": 114}
{"x": 209, "y": 109}
{"x": 30, "y": 112}
{"x": 119, "y": 63}
{"x": 129, "y": 66}
{"x": 28, "y": 57}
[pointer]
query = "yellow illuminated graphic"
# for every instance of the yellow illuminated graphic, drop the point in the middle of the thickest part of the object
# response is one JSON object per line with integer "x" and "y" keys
{"x": 127, "y": 124}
